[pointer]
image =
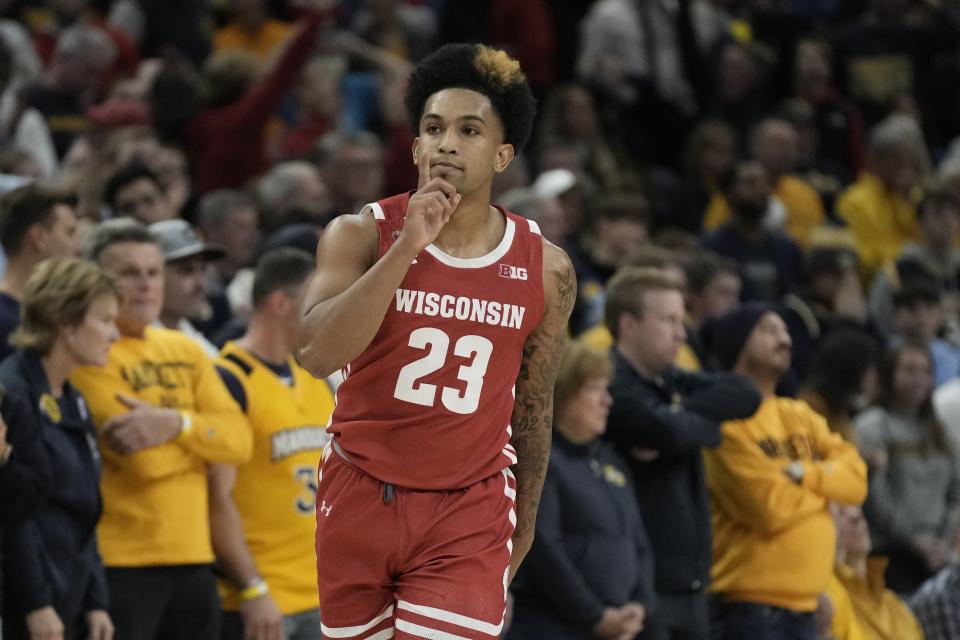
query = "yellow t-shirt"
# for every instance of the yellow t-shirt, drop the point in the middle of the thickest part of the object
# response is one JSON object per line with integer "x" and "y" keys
{"x": 155, "y": 509}
{"x": 844, "y": 625}
{"x": 804, "y": 209}
{"x": 881, "y": 221}
{"x": 275, "y": 492}
{"x": 881, "y": 613}
{"x": 774, "y": 541}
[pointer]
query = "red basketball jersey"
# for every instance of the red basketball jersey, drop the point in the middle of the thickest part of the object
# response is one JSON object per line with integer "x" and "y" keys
{"x": 428, "y": 404}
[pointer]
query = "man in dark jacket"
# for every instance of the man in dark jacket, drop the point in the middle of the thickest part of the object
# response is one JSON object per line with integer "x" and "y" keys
{"x": 24, "y": 470}
{"x": 660, "y": 419}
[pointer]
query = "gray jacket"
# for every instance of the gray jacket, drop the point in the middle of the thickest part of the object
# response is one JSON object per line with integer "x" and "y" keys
{"x": 918, "y": 492}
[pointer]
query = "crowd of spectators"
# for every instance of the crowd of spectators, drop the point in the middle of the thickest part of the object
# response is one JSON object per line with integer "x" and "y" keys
{"x": 757, "y": 422}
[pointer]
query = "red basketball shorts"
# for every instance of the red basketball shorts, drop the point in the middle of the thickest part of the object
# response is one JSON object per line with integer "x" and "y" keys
{"x": 402, "y": 563}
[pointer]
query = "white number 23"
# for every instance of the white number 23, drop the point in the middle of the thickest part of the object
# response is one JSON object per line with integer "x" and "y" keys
{"x": 437, "y": 344}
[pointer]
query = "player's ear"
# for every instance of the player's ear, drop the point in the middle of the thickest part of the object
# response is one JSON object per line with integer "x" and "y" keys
{"x": 505, "y": 154}
{"x": 416, "y": 151}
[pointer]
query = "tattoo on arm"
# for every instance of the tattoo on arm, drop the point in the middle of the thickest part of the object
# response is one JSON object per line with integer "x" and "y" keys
{"x": 533, "y": 411}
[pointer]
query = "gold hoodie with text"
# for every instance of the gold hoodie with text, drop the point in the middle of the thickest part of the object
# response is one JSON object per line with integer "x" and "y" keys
{"x": 155, "y": 509}
{"x": 773, "y": 539}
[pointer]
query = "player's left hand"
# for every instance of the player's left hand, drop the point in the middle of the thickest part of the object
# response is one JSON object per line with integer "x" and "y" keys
{"x": 521, "y": 545}
{"x": 143, "y": 427}
{"x": 262, "y": 619}
{"x": 99, "y": 625}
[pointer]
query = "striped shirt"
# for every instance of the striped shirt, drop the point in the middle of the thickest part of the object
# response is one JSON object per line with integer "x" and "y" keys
{"x": 937, "y": 605}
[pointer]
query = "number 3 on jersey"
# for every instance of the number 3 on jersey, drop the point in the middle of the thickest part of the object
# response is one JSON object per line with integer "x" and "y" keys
{"x": 437, "y": 344}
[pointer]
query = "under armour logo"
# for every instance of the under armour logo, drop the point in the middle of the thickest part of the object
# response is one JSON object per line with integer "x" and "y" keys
{"x": 324, "y": 509}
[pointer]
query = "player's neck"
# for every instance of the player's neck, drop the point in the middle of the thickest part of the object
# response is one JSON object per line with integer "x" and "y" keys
{"x": 270, "y": 346}
{"x": 475, "y": 228}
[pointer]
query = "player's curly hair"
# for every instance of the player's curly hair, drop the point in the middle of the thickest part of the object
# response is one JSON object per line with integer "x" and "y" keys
{"x": 479, "y": 68}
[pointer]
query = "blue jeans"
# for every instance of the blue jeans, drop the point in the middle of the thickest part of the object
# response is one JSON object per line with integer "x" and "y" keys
{"x": 750, "y": 621}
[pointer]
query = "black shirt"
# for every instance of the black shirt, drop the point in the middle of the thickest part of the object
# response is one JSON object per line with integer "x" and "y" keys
{"x": 675, "y": 416}
{"x": 591, "y": 549}
{"x": 9, "y": 321}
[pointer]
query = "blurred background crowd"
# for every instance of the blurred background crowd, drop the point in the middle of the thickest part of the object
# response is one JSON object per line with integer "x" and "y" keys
{"x": 757, "y": 421}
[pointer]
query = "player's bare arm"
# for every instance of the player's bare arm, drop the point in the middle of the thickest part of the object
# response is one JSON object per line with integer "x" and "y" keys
{"x": 532, "y": 420}
{"x": 351, "y": 290}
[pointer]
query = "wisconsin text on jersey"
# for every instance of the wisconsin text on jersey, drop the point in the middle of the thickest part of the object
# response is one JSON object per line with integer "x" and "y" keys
{"x": 430, "y": 303}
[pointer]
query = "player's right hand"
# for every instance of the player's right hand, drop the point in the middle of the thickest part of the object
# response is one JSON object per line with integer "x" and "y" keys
{"x": 44, "y": 624}
{"x": 429, "y": 209}
{"x": 262, "y": 619}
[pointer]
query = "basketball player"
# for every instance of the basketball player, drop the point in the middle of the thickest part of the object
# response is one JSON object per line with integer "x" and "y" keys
{"x": 449, "y": 316}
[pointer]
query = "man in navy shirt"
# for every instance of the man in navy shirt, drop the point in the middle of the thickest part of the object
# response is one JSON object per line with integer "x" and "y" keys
{"x": 770, "y": 262}
{"x": 660, "y": 420}
{"x": 36, "y": 222}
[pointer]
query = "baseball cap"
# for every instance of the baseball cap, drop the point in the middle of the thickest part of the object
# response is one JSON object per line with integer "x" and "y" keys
{"x": 554, "y": 182}
{"x": 178, "y": 239}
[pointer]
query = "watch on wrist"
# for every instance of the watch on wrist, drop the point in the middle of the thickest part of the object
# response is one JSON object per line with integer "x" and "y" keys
{"x": 795, "y": 471}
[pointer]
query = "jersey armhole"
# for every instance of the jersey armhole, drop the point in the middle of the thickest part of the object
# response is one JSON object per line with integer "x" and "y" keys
{"x": 379, "y": 217}
{"x": 234, "y": 386}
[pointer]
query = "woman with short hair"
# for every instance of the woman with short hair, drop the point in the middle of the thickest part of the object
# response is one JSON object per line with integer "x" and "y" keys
{"x": 56, "y": 583}
{"x": 590, "y": 570}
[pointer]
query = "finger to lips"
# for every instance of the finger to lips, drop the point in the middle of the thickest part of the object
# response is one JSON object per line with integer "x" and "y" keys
{"x": 423, "y": 167}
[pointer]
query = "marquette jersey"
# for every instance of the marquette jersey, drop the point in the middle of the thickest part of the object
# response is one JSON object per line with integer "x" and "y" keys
{"x": 428, "y": 404}
{"x": 275, "y": 492}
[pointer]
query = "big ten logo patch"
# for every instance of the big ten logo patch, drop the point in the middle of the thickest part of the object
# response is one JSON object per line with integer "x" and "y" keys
{"x": 514, "y": 273}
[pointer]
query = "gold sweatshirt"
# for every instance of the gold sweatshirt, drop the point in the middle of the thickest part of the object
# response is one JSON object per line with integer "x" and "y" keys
{"x": 773, "y": 538}
{"x": 155, "y": 500}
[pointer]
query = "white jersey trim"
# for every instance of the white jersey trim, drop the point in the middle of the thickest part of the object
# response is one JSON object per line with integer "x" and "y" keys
{"x": 377, "y": 211}
{"x": 451, "y": 618}
{"x": 483, "y": 261}
{"x": 534, "y": 227}
{"x": 350, "y": 632}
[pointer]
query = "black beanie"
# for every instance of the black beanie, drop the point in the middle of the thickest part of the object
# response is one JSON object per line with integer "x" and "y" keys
{"x": 730, "y": 332}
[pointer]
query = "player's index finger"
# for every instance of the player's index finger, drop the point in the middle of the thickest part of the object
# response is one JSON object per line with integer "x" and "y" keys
{"x": 423, "y": 167}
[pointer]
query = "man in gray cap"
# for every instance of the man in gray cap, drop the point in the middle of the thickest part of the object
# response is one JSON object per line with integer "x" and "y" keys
{"x": 186, "y": 257}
